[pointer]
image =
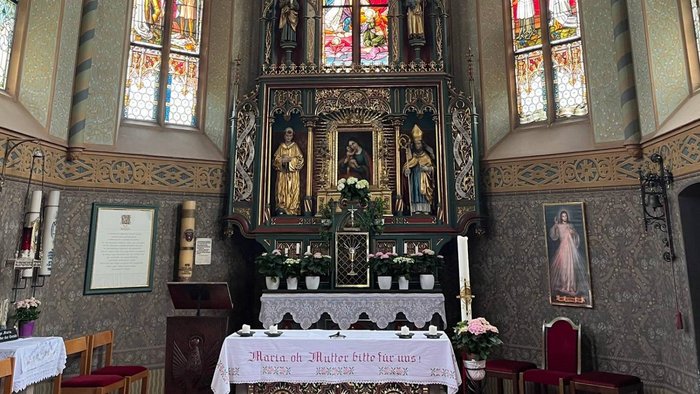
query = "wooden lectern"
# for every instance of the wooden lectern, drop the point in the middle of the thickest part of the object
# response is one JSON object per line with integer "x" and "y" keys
{"x": 193, "y": 342}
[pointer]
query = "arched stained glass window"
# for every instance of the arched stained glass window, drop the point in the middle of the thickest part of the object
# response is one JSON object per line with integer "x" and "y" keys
{"x": 355, "y": 31}
{"x": 549, "y": 71}
{"x": 163, "y": 72}
{"x": 695, "y": 7}
{"x": 8, "y": 17}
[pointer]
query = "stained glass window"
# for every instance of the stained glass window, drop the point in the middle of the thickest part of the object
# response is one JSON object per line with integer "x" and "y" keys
{"x": 8, "y": 15}
{"x": 549, "y": 67}
{"x": 153, "y": 92}
{"x": 347, "y": 38}
{"x": 695, "y": 6}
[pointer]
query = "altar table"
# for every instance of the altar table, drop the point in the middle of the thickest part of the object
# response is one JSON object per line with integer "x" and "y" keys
{"x": 36, "y": 359}
{"x": 312, "y": 356}
{"x": 346, "y": 308}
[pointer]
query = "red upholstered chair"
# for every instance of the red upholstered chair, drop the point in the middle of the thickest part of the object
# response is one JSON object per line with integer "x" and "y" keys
{"x": 562, "y": 355}
{"x": 132, "y": 373}
{"x": 606, "y": 383}
{"x": 7, "y": 370}
{"x": 84, "y": 383}
{"x": 508, "y": 370}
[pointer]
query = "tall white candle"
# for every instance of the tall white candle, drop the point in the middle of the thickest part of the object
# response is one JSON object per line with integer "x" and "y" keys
{"x": 298, "y": 248}
{"x": 393, "y": 249}
{"x": 48, "y": 234}
{"x": 286, "y": 251}
{"x": 464, "y": 279}
{"x": 308, "y": 248}
{"x": 415, "y": 251}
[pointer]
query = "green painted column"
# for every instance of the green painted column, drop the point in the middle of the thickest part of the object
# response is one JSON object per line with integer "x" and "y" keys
{"x": 625, "y": 78}
{"x": 81, "y": 84}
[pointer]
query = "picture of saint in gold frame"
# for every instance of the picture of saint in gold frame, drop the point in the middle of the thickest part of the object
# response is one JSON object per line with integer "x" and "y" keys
{"x": 354, "y": 151}
{"x": 567, "y": 255}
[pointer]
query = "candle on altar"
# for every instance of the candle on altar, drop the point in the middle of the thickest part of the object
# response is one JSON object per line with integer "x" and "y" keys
{"x": 245, "y": 329}
{"x": 404, "y": 330}
{"x": 415, "y": 250}
{"x": 393, "y": 249}
{"x": 432, "y": 330}
{"x": 286, "y": 251}
{"x": 308, "y": 248}
{"x": 273, "y": 329}
{"x": 463, "y": 263}
{"x": 298, "y": 248}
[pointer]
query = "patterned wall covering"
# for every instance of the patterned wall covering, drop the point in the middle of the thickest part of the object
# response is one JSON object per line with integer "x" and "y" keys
{"x": 601, "y": 71}
{"x": 667, "y": 56}
{"x": 60, "y": 107}
{"x": 39, "y": 58}
{"x": 631, "y": 326}
{"x": 642, "y": 74}
{"x": 137, "y": 318}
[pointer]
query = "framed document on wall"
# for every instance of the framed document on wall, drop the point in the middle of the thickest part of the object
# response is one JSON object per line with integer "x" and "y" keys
{"x": 121, "y": 254}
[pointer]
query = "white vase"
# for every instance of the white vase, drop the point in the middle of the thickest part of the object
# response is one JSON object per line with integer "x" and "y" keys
{"x": 476, "y": 369}
{"x": 292, "y": 283}
{"x": 272, "y": 282}
{"x": 403, "y": 283}
{"x": 384, "y": 282}
{"x": 427, "y": 281}
{"x": 312, "y": 282}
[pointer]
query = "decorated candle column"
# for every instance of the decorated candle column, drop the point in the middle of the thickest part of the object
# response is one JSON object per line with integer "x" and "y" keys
{"x": 48, "y": 234}
{"x": 30, "y": 233}
{"x": 184, "y": 272}
{"x": 465, "y": 292}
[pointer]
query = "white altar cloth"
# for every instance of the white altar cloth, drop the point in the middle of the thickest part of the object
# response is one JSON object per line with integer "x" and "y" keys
{"x": 346, "y": 308}
{"x": 310, "y": 356}
{"x": 36, "y": 359}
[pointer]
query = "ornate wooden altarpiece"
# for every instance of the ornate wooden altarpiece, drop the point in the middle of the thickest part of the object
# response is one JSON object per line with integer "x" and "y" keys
{"x": 382, "y": 108}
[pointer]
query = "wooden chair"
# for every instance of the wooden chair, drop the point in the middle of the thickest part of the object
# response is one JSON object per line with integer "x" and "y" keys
{"x": 561, "y": 342}
{"x": 507, "y": 370}
{"x": 606, "y": 383}
{"x": 85, "y": 383}
{"x": 7, "y": 369}
{"x": 132, "y": 373}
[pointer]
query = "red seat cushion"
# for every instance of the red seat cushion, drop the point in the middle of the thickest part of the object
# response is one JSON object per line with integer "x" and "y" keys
{"x": 606, "y": 379}
{"x": 508, "y": 366}
{"x": 121, "y": 370}
{"x": 91, "y": 381}
{"x": 546, "y": 376}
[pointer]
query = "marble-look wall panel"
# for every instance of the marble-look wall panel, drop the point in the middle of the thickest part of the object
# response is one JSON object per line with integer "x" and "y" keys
{"x": 139, "y": 319}
{"x": 667, "y": 56}
{"x": 599, "y": 50}
{"x": 63, "y": 87}
{"x": 108, "y": 61}
{"x": 642, "y": 74}
{"x": 218, "y": 72}
{"x": 631, "y": 327}
{"x": 39, "y": 57}
{"x": 494, "y": 85}
{"x": 246, "y": 41}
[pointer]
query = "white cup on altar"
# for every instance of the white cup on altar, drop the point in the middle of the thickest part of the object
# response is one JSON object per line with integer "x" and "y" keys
{"x": 432, "y": 330}
{"x": 245, "y": 329}
{"x": 405, "y": 330}
{"x": 273, "y": 329}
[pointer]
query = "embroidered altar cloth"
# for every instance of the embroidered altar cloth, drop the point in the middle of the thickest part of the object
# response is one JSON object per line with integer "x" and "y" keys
{"x": 346, "y": 308}
{"x": 36, "y": 359}
{"x": 312, "y": 356}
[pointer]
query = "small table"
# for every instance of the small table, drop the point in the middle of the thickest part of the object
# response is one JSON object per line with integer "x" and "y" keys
{"x": 346, "y": 308}
{"x": 313, "y": 356}
{"x": 36, "y": 359}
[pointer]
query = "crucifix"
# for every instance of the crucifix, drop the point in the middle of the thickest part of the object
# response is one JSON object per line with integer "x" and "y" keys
{"x": 465, "y": 296}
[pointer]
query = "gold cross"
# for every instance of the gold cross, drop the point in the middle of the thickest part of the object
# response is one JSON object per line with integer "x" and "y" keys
{"x": 465, "y": 293}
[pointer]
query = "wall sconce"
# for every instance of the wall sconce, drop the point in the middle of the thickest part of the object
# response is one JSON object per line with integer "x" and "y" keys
{"x": 655, "y": 202}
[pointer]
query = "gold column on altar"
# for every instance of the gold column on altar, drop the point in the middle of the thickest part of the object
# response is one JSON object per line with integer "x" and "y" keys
{"x": 308, "y": 198}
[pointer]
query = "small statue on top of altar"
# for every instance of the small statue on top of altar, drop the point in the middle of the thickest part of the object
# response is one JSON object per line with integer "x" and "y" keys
{"x": 289, "y": 18}
{"x": 420, "y": 171}
{"x": 414, "y": 19}
{"x": 288, "y": 161}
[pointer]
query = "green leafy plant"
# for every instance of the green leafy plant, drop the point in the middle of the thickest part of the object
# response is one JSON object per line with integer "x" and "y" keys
{"x": 427, "y": 262}
{"x": 382, "y": 264}
{"x": 316, "y": 264}
{"x": 271, "y": 264}
{"x": 27, "y": 310}
{"x": 326, "y": 212}
{"x": 371, "y": 219}
{"x": 476, "y": 337}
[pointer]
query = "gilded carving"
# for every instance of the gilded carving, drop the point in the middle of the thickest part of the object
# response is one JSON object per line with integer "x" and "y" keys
{"x": 394, "y": 9}
{"x": 286, "y": 103}
{"x": 420, "y": 100}
{"x": 246, "y": 125}
{"x": 376, "y": 100}
{"x": 315, "y": 70}
{"x": 462, "y": 147}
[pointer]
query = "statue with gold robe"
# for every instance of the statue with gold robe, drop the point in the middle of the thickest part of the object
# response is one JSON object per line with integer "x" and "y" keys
{"x": 288, "y": 161}
{"x": 420, "y": 171}
{"x": 414, "y": 19}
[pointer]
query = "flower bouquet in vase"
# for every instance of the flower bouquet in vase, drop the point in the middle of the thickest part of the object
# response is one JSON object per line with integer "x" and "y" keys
{"x": 292, "y": 270}
{"x": 353, "y": 189}
{"x": 313, "y": 266}
{"x": 271, "y": 266}
{"x": 475, "y": 339}
{"x": 26, "y": 313}
{"x": 403, "y": 266}
{"x": 382, "y": 266}
{"x": 426, "y": 265}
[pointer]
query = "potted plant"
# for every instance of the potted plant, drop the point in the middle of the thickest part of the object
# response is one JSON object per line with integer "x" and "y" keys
{"x": 475, "y": 339}
{"x": 271, "y": 266}
{"x": 403, "y": 266}
{"x": 292, "y": 269}
{"x": 313, "y": 266}
{"x": 426, "y": 264}
{"x": 382, "y": 266}
{"x": 26, "y": 313}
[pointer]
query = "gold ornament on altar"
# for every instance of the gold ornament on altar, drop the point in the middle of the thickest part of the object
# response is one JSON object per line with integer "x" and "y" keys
{"x": 288, "y": 161}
